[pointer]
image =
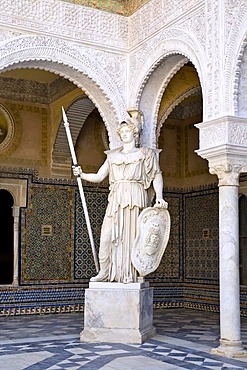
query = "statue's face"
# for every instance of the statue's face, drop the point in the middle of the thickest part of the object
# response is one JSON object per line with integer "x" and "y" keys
{"x": 126, "y": 134}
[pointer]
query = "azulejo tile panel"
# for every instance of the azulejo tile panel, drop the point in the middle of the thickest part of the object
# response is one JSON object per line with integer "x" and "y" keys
{"x": 47, "y": 256}
{"x": 201, "y": 240}
{"x": 84, "y": 266}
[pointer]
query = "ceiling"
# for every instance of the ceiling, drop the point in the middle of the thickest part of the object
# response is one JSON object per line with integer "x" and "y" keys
{"x": 123, "y": 7}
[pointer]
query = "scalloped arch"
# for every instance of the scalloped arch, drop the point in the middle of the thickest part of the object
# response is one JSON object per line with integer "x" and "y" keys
{"x": 168, "y": 54}
{"x": 176, "y": 102}
{"x": 170, "y": 43}
{"x": 76, "y": 64}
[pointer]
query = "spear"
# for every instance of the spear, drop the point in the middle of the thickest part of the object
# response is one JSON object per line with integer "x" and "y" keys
{"x": 79, "y": 182}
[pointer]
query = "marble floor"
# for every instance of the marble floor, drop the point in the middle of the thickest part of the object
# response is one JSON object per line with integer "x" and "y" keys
{"x": 183, "y": 341}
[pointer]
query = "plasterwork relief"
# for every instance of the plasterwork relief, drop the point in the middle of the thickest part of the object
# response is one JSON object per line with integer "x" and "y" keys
{"x": 115, "y": 65}
{"x": 215, "y": 74}
{"x": 228, "y": 130}
{"x": 148, "y": 20}
{"x": 63, "y": 19}
{"x": 213, "y": 135}
{"x": 6, "y": 34}
{"x": 235, "y": 32}
{"x": 242, "y": 87}
{"x": 145, "y": 60}
{"x": 196, "y": 25}
{"x": 237, "y": 133}
{"x": 151, "y": 81}
{"x": 24, "y": 90}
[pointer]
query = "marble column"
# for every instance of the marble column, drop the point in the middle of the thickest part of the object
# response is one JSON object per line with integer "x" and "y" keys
{"x": 223, "y": 143}
{"x": 230, "y": 329}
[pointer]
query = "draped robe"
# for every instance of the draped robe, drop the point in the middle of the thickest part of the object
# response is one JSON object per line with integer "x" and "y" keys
{"x": 130, "y": 176}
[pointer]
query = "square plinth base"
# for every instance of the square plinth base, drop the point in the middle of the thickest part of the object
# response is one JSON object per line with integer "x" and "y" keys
{"x": 118, "y": 313}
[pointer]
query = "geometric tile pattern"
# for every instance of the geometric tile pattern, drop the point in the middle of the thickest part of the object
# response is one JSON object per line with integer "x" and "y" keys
{"x": 183, "y": 341}
{"x": 47, "y": 257}
{"x": 201, "y": 240}
{"x": 170, "y": 266}
{"x": 84, "y": 266}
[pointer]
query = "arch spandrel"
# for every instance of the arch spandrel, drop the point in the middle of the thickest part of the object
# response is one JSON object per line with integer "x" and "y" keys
{"x": 76, "y": 64}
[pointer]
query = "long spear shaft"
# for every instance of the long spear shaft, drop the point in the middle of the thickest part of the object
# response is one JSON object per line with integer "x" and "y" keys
{"x": 79, "y": 182}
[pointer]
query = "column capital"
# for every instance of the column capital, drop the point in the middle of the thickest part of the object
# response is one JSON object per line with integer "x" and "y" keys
{"x": 223, "y": 142}
{"x": 228, "y": 174}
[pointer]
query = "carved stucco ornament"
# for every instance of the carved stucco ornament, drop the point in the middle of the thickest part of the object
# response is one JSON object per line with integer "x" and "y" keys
{"x": 152, "y": 237}
{"x": 6, "y": 128}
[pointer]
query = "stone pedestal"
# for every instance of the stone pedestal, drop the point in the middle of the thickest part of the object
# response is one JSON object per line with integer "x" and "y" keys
{"x": 118, "y": 313}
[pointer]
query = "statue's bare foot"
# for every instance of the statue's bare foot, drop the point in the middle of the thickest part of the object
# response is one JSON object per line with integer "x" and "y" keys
{"x": 99, "y": 277}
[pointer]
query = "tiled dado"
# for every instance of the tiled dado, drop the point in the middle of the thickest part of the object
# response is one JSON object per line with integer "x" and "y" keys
{"x": 41, "y": 300}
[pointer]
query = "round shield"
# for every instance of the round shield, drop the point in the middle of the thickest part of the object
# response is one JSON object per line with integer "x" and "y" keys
{"x": 153, "y": 232}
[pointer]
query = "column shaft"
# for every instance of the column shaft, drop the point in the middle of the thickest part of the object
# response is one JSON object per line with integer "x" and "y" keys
{"x": 229, "y": 263}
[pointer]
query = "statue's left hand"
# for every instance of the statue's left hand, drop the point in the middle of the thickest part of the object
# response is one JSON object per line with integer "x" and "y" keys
{"x": 161, "y": 203}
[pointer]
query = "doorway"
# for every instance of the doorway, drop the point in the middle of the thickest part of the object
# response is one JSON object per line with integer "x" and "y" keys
{"x": 6, "y": 235}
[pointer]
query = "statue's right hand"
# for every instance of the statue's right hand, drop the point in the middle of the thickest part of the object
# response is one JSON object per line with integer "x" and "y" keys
{"x": 76, "y": 170}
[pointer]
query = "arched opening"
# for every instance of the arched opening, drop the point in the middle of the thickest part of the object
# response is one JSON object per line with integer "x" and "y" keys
{"x": 6, "y": 232}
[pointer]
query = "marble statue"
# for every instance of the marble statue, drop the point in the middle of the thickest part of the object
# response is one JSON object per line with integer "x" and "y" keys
{"x": 132, "y": 171}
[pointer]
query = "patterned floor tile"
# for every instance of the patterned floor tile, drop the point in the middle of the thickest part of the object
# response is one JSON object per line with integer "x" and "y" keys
{"x": 183, "y": 341}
